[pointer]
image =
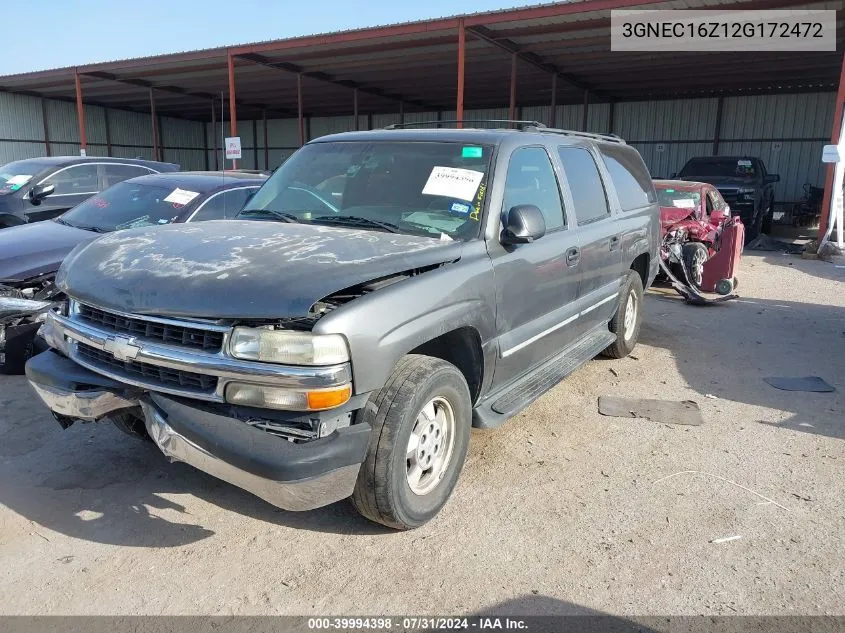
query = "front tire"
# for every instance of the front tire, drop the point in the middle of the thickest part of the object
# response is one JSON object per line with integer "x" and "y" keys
{"x": 694, "y": 255}
{"x": 628, "y": 318}
{"x": 768, "y": 218}
{"x": 421, "y": 423}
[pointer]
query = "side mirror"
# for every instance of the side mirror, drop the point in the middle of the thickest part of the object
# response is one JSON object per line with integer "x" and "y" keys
{"x": 772, "y": 179}
{"x": 524, "y": 223}
{"x": 39, "y": 192}
{"x": 674, "y": 175}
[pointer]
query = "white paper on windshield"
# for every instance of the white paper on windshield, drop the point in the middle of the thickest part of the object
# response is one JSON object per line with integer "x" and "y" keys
{"x": 684, "y": 203}
{"x": 20, "y": 179}
{"x": 181, "y": 196}
{"x": 744, "y": 163}
{"x": 453, "y": 182}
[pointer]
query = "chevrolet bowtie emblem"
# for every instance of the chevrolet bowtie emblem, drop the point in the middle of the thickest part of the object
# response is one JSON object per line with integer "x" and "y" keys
{"x": 122, "y": 347}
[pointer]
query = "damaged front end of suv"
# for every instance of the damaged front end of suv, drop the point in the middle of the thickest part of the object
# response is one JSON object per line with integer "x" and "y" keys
{"x": 23, "y": 309}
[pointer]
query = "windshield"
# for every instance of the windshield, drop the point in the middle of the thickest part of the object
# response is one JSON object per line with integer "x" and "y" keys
{"x": 421, "y": 188}
{"x": 15, "y": 175}
{"x": 128, "y": 205}
{"x": 677, "y": 198}
{"x": 723, "y": 167}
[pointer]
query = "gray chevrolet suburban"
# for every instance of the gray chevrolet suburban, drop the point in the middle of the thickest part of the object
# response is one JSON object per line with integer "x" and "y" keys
{"x": 382, "y": 293}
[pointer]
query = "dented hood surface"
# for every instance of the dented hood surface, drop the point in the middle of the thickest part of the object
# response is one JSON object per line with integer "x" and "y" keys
{"x": 238, "y": 269}
{"x": 30, "y": 250}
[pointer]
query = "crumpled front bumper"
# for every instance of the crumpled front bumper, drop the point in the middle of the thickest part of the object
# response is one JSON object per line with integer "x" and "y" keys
{"x": 291, "y": 476}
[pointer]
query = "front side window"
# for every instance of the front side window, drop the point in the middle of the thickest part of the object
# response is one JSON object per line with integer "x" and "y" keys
{"x": 585, "y": 183}
{"x": 531, "y": 180}
{"x": 129, "y": 205}
{"x": 430, "y": 189}
{"x": 76, "y": 179}
{"x": 223, "y": 205}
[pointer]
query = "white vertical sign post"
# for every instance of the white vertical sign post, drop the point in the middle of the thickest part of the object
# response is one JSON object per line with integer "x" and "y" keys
{"x": 233, "y": 149}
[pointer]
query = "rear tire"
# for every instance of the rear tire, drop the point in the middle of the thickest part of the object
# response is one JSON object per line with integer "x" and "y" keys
{"x": 755, "y": 229}
{"x": 628, "y": 318}
{"x": 421, "y": 421}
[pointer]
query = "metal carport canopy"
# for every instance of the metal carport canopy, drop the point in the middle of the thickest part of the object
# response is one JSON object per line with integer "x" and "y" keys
{"x": 416, "y": 65}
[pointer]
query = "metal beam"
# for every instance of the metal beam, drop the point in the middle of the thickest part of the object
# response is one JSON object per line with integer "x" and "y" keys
{"x": 300, "y": 123}
{"x": 462, "y": 45}
{"x": 176, "y": 90}
{"x": 46, "y": 126}
{"x": 490, "y": 37}
{"x": 717, "y": 128}
{"x": 512, "y": 100}
{"x": 80, "y": 113}
{"x": 553, "y": 104}
{"x": 233, "y": 109}
{"x": 108, "y": 130}
{"x": 355, "y": 108}
{"x": 214, "y": 134}
{"x": 839, "y": 112}
{"x": 154, "y": 126}
{"x": 266, "y": 149}
{"x": 330, "y": 79}
{"x": 585, "y": 111}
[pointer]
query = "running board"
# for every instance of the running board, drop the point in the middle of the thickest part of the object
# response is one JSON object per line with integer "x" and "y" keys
{"x": 527, "y": 389}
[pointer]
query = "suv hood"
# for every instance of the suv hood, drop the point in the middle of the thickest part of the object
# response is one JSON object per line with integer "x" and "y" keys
{"x": 35, "y": 249}
{"x": 238, "y": 269}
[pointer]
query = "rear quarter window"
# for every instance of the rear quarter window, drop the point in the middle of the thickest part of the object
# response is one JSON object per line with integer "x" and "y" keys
{"x": 629, "y": 175}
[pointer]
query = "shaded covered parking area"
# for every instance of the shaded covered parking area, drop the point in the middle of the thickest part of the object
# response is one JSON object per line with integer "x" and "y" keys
{"x": 550, "y": 63}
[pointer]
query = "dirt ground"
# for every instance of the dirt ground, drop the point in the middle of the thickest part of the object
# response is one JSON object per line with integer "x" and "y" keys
{"x": 560, "y": 510}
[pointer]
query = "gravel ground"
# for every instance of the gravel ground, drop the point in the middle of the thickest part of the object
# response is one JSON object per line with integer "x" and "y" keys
{"x": 559, "y": 511}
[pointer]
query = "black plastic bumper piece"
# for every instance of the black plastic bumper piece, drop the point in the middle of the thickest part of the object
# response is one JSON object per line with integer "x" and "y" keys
{"x": 258, "y": 452}
{"x": 52, "y": 369}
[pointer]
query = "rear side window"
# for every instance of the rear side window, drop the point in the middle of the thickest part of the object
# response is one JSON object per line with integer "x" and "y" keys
{"x": 585, "y": 184}
{"x": 629, "y": 175}
{"x": 119, "y": 173}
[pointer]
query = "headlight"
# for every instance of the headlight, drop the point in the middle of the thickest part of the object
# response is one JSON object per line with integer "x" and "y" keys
{"x": 288, "y": 348}
{"x": 267, "y": 397}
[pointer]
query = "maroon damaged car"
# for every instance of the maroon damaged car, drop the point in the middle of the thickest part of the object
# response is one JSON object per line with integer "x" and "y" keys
{"x": 692, "y": 216}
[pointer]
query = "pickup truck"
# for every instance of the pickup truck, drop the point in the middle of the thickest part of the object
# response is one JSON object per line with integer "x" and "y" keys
{"x": 745, "y": 185}
{"x": 381, "y": 294}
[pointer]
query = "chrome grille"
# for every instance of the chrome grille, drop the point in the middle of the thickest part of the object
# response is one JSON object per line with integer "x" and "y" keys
{"x": 149, "y": 374}
{"x": 172, "y": 334}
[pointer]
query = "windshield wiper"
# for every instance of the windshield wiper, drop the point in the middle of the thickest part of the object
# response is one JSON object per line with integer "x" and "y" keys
{"x": 95, "y": 229}
{"x": 279, "y": 215}
{"x": 356, "y": 220}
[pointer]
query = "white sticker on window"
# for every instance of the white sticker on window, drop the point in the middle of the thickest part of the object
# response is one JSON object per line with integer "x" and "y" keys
{"x": 453, "y": 182}
{"x": 20, "y": 179}
{"x": 744, "y": 163}
{"x": 684, "y": 203}
{"x": 181, "y": 196}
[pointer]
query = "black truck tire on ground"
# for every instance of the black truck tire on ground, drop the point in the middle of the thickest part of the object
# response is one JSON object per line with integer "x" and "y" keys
{"x": 755, "y": 228}
{"x": 623, "y": 324}
{"x": 383, "y": 491}
{"x": 694, "y": 255}
{"x": 768, "y": 218}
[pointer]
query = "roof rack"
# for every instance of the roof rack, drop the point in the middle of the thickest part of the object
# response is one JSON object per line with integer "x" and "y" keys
{"x": 521, "y": 125}
{"x": 594, "y": 135}
{"x": 401, "y": 126}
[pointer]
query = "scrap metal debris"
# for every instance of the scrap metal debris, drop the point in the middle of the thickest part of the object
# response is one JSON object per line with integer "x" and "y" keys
{"x": 688, "y": 290}
{"x": 684, "y": 412}
{"x": 800, "y": 383}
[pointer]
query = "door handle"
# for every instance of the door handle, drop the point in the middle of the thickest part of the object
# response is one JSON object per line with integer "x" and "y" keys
{"x": 614, "y": 242}
{"x": 573, "y": 256}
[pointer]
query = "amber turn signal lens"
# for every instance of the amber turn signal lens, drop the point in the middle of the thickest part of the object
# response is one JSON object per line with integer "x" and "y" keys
{"x": 328, "y": 398}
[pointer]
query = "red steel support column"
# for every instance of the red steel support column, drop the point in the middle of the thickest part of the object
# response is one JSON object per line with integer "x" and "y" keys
{"x": 553, "y": 109}
{"x": 512, "y": 102}
{"x": 299, "y": 109}
{"x": 834, "y": 140}
{"x": 233, "y": 110}
{"x": 154, "y": 125}
{"x": 214, "y": 135}
{"x": 355, "y": 107}
{"x": 462, "y": 44}
{"x": 80, "y": 113}
{"x": 585, "y": 111}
